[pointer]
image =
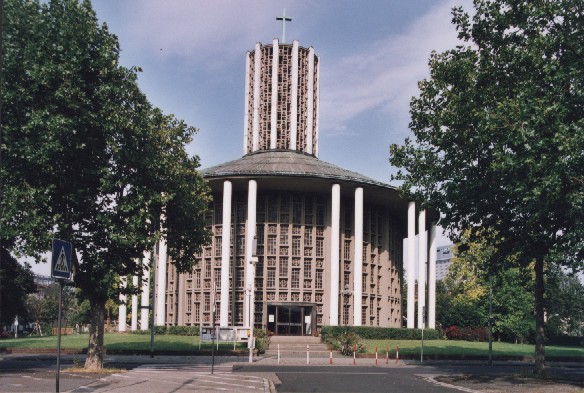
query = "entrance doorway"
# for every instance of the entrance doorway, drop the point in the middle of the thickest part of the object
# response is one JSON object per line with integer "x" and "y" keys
{"x": 289, "y": 320}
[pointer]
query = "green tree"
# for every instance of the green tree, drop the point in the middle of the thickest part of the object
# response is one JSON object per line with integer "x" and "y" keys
{"x": 43, "y": 306}
{"x": 472, "y": 279}
{"x": 466, "y": 286}
{"x": 86, "y": 157}
{"x": 17, "y": 282}
{"x": 513, "y": 303}
{"x": 564, "y": 303}
{"x": 499, "y": 133}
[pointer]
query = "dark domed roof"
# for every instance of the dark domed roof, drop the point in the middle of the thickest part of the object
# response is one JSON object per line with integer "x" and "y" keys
{"x": 297, "y": 171}
{"x": 288, "y": 163}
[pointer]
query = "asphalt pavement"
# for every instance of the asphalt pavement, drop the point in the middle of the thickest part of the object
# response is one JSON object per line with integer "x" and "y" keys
{"x": 37, "y": 373}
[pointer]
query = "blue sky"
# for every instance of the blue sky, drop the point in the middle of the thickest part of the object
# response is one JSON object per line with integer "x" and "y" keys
{"x": 372, "y": 55}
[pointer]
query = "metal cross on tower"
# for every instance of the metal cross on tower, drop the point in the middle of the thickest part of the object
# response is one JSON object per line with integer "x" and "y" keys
{"x": 284, "y": 19}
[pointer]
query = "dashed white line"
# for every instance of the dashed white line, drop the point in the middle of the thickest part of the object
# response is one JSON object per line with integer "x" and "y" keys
{"x": 447, "y": 385}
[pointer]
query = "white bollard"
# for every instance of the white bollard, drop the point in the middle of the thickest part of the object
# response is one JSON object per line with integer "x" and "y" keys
{"x": 308, "y": 354}
{"x": 278, "y": 353}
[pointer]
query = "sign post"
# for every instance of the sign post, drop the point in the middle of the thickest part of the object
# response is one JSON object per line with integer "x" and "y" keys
{"x": 61, "y": 270}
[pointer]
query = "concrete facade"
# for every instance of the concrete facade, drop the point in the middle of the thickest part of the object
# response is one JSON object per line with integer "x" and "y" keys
{"x": 330, "y": 241}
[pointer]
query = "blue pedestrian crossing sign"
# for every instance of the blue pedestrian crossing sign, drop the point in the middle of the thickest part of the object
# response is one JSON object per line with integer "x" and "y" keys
{"x": 61, "y": 260}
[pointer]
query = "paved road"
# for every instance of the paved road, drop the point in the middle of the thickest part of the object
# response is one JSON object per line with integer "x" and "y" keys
{"x": 461, "y": 376}
{"x": 364, "y": 379}
{"x": 31, "y": 374}
{"x": 167, "y": 374}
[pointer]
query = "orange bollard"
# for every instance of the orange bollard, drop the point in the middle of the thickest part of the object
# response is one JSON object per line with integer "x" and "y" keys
{"x": 386, "y": 355}
{"x": 354, "y": 351}
{"x": 331, "y": 356}
{"x": 376, "y": 355}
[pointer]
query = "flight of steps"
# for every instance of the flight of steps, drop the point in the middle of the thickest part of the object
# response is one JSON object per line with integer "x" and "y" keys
{"x": 295, "y": 346}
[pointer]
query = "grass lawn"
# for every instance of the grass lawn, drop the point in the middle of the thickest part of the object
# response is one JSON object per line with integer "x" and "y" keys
{"x": 466, "y": 348}
{"x": 116, "y": 341}
{"x": 167, "y": 342}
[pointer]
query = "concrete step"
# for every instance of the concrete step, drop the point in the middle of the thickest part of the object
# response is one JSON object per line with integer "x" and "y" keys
{"x": 313, "y": 349}
{"x": 295, "y": 339}
{"x": 296, "y": 346}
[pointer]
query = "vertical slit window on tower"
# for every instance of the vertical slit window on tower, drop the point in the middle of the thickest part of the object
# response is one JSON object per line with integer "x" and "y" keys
{"x": 318, "y": 279}
{"x": 283, "y": 266}
{"x": 271, "y": 279}
{"x": 295, "y": 278}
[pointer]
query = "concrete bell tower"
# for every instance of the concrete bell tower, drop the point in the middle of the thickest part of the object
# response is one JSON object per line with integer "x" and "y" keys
{"x": 281, "y": 98}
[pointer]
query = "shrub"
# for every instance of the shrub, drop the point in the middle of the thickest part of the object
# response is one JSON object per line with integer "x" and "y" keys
{"x": 176, "y": 330}
{"x": 183, "y": 330}
{"x": 467, "y": 333}
{"x": 565, "y": 340}
{"x": 262, "y": 340}
{"x": 452, "y": 333}
{"x": 379, "y": 333}
{"x": 347, "y": 343}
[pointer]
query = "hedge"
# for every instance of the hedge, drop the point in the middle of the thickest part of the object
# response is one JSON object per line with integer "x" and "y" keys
{"x": 379, "y": 333}
{"x": 565, "y": 340}
{"x": 176, "y": 330}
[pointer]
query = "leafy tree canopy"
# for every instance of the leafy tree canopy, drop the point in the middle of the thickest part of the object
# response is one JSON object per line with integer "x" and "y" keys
{"x": 564, "y": 303}
{"x": 498, "y": 127}
{"x": 17, "y": 282}
{"x": 472, "y": 282}
{"x": 86, "y": 157}
{"x": 499, "y": 133}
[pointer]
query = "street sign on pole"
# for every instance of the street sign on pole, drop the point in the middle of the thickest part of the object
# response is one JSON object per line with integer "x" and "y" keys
{"x": 61, "y": 270}
{"x": 61, "y": 259}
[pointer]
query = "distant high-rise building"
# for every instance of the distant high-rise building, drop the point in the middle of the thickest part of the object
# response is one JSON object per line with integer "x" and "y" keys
{"x": 444, "y": 257}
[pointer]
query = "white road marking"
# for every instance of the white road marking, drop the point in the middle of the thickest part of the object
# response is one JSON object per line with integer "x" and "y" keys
{"x": 447, "y": 385}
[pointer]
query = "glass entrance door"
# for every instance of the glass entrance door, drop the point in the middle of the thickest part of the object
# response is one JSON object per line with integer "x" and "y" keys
{"x": 290, "y": 320}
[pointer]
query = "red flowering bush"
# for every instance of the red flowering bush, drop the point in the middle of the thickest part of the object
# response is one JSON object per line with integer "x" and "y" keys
{"x": 452, "y": 333}
{"x": 467, "y": 334}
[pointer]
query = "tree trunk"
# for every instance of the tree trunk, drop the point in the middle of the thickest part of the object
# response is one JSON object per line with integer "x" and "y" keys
{"x": 95, "y": 349}
{"x": 539, "y": 318}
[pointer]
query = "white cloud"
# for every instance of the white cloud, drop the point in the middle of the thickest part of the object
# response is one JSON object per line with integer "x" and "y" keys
{"x": 208, "y": 33}
{"x": 384, "y": 75}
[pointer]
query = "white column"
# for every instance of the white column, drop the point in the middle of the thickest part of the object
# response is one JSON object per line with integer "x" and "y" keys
{"x": 422, "y": 256}
{"x": 310, "y": 101}
{"x": 317, "y": 114}
{"x": 358, "y": 271}
{"x": 161, "y": 283}
{"x": 294, "y": 98}
{"x": 134, "y": 323}
{"x": 432, "y": 279}
{"x": 246, "y": 106}
{"x": 411, "y": 268}
{"x": 335, "y": 233}
{"x": 225, "y": 254}
{"x": 256, "y": 97}
{"x": 274, "y": 111}
{"x": 180, "y": 293}
{"x": 122, "y": 309}
{"x": 250, "y": 232}
{"x": 145, "y": 298}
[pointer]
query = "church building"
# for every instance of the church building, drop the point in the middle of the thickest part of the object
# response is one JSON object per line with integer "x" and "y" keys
{"x": 297, "y": 243}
